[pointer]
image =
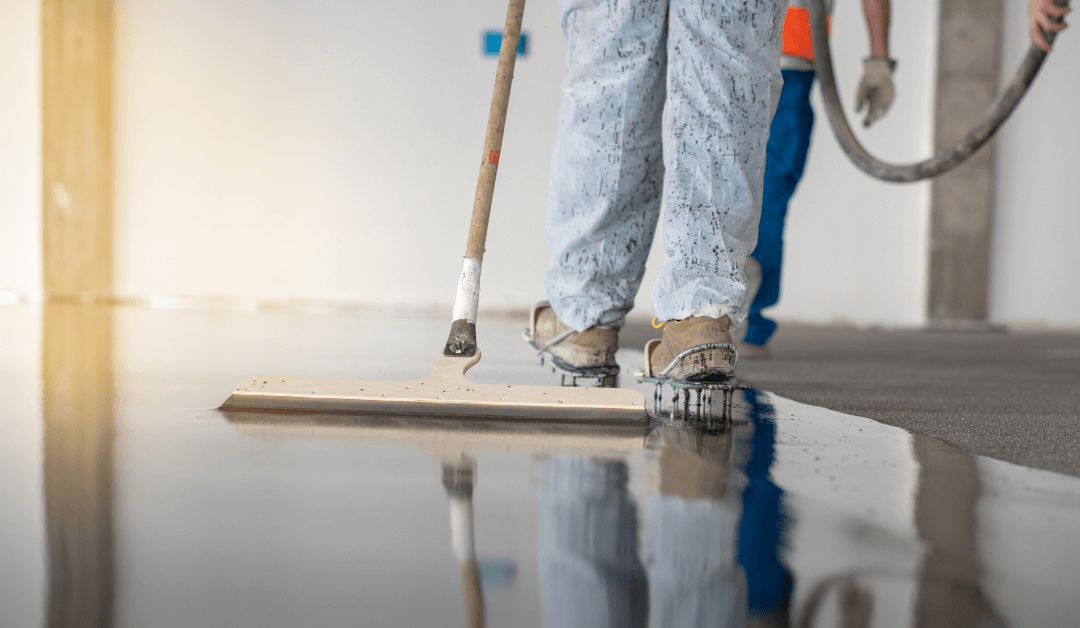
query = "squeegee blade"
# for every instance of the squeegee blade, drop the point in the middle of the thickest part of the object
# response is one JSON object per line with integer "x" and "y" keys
{"x": 428, "y": 397}
{"x": 445, "y": 392}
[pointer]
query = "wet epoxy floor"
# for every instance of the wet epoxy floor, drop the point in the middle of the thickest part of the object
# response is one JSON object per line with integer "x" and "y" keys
{"x": 129, "y": 500}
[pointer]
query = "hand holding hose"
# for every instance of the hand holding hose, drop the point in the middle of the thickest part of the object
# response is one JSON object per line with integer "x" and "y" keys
{"x": 875, "y": 89}
{"x": 951, "y": 156}
{"x": 1045, "y": 17}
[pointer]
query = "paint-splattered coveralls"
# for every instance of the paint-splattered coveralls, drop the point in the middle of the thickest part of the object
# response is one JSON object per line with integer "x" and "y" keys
{"x": 662, "y": 99}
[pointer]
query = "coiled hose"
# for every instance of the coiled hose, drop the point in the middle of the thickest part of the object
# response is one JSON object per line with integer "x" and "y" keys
{"x": 945, "y": 160}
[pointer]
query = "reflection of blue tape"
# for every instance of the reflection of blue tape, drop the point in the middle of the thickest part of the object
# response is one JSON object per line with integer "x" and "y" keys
{"x": 497, "y": 573}
{"x": 493, "y": 42}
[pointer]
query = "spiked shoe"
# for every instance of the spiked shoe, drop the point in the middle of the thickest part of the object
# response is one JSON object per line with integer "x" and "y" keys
{"x": 694, "y": 349}
{"x": 573, "y": 351}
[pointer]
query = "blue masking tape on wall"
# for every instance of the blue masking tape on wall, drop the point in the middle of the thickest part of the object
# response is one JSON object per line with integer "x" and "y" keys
{"x": 493, "y": 41}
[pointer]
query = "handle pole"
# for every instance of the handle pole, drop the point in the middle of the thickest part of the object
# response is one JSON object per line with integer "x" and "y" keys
{"x": 462, "y": 340}
{"x": 489, "y": 162}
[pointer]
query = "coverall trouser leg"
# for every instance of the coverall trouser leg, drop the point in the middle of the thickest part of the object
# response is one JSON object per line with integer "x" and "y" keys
{"x": 662, "y": 100}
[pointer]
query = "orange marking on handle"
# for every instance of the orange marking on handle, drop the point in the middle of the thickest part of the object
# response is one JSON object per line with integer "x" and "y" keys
{"x": 493, "y": 157}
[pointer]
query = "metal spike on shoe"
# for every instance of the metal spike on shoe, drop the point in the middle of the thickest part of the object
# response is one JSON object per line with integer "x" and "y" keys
{"x": 588, "y": 355}
{"x": 691, "y": 401}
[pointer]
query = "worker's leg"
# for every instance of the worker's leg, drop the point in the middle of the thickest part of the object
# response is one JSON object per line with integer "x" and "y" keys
{"x": 789, "y": 141}
{"x": 723, "y": 83}
{"x": 607, "y": 169}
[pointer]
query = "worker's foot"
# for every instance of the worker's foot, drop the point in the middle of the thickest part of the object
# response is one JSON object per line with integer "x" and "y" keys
{"x": 748, "y": 351}
{"x": 590, "y": 350}
{"x": 706, "y": 342}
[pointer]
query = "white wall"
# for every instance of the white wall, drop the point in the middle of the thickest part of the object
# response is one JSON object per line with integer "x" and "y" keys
{"x": 299, "y": 150}
{"x": 20, "y": 149}
{"x": 1035, "y": 269}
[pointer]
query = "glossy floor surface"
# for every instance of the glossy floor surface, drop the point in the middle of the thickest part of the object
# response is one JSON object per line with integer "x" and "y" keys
{"x": 130, "y": 500}
{"x": 1011, "y": 396}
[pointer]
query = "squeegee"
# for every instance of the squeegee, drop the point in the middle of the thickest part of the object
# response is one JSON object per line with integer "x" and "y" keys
{"x": 446, "y": 391}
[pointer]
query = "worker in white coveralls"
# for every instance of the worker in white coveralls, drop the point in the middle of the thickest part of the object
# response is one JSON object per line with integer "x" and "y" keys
{"x": 662, "y": 100}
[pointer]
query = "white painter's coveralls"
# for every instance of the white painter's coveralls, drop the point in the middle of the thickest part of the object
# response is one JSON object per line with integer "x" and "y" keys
{"x": 668, "y": 98}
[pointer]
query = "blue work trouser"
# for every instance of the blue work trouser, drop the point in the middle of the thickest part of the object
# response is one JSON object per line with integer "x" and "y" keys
{"x": 785, "y": 157}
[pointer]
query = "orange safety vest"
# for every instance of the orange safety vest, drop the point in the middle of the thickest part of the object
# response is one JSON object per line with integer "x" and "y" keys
{"x": 797, "y": 42}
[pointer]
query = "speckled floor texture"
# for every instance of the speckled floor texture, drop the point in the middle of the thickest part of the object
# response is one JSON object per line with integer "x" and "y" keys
{"x": 1010, "y": 396}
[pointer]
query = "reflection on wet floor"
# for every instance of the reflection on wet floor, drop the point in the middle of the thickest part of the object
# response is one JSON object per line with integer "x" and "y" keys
{"x": 459, "y": 477}
{"x": 160, "y": 511}
{"x": 77, "y": 417}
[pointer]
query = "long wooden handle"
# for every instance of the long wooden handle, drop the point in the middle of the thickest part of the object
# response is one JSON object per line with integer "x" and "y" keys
{"x": 462, "y": 340}
{"x": 489, "y": 164}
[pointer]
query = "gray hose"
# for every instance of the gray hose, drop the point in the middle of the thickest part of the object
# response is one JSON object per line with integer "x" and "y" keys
{"x": 945, "y": 160}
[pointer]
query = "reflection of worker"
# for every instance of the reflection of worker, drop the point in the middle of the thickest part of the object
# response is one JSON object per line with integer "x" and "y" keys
{"x": 590, "y": 572}
{"x": 712, "y": 543}
{"x": 763, "y": 523}
{"x": 789, "y": 141}
{"x": 692, "y": 544}
{"x": 662, "y": 98}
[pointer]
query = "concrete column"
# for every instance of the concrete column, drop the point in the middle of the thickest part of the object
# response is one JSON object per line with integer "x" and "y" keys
{"x": 969, "y": 58}
{"x": 77, "y": 148}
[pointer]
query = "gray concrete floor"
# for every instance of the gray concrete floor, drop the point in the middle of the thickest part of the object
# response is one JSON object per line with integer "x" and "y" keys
{"x": 1010, "y": 396}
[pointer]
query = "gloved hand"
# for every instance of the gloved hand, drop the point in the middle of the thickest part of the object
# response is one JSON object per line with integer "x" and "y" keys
{"x": 875, "y": 89}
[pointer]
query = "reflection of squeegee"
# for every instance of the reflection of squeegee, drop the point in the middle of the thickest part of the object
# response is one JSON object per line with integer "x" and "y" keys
{"x": 446, "y": 391}
{"x": 445, "y": 438}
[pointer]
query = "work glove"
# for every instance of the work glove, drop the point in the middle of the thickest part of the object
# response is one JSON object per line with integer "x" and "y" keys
{"x": 875, "y": 88}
